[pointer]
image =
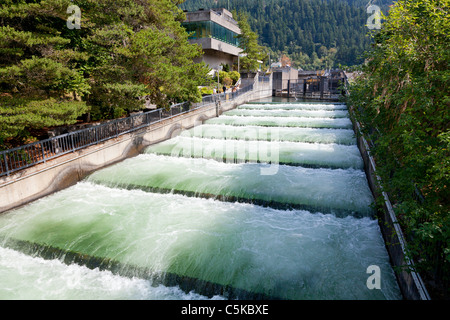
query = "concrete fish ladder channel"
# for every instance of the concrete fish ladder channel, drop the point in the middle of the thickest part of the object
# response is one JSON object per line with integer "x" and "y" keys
{"x": 241, "y": 227}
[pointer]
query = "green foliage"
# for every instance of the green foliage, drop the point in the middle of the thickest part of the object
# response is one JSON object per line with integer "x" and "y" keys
{"x": 225, "y": 67}
{"x": 20, "y": 115}
{"x": 124, "y": 51}
{"x": 38, "y": 85}
{"x": 235, "y": 76}
{"x": 402, "y": 99}
{"x": 145, "y": 49}
{"x": 206, "y": 91}
{"x": 227, "y": 78}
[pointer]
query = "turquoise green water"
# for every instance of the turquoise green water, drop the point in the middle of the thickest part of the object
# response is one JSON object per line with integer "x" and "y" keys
{"x": 192, "y": 210}
{"x": 338, "y": 190}
{"x": 24, "y": 277}
{"x": 288, "y": 254}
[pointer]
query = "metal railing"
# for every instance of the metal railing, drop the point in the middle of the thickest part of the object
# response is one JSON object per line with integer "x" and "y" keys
{"x": 22, "y": 157}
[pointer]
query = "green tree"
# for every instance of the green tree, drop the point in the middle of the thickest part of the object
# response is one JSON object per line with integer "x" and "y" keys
{"x": 140, "y": 49}
{"x": 125, "y": 51}
{"x": 39, "y": 84}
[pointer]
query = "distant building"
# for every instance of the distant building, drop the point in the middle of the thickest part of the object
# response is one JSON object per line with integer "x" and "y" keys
{"x": 328, "y": 81}
{"x": 283, "y": 77}
{"x": 215, "y": 30}
{"x": 276, "y": 65}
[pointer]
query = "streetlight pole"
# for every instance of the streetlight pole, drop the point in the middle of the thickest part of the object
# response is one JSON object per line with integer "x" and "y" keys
{"x": 239, "y": 64}
{"x": 218, "y": 77}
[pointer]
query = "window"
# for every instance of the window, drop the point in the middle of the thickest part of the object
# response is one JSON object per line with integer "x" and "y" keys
{"x": 210, "y": 29}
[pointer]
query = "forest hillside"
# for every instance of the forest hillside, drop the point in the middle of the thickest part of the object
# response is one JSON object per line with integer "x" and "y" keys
{"x": 313, "y": 34}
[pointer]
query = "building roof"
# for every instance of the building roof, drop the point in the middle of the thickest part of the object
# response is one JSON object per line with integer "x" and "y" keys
{"x": 221, "y": 16}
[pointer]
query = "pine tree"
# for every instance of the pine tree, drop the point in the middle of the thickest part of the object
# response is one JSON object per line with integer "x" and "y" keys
{"x": 248, "y": 41}
{"x": 39, "y": 85}
{"x": 125, "y": 51}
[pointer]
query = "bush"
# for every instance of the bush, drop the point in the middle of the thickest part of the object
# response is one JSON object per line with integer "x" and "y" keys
{"x": 206, "y": 91}
{"x": 227, "y": 81}
{"x": 235, "y": 76}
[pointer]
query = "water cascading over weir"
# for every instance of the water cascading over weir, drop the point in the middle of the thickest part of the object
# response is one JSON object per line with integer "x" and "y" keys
{"x": 267, "y": 201}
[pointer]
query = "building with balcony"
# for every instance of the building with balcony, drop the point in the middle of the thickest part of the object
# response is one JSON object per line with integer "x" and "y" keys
{"x": 216, "y": 31}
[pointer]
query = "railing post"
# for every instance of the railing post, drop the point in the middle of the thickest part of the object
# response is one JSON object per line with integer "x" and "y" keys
{"x": 6, "y": 164}
{"x": 73, "y": 143}
{"x": 43, "y": 152}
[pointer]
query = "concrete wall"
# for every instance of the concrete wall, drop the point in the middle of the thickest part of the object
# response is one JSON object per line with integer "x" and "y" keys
{"x": 211, "y": 44}
{"x": 281, "y": 76}
{"x": 54, "y": 175}
{"x": 215, "y": 57}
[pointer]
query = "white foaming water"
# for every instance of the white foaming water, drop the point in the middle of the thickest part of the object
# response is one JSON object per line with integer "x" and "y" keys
{"x": 294, "y": 106}
{"x": 308, "y": 135}
{"x": 26, "y": 278}
{"x": 288, "y": 254}
{"x": 288, "y": 113}
{"x": 341, "y": 123}
{"x": 298, "y": 254}
{"x": 320, "y": 189}
{"x": 293, "y": 153}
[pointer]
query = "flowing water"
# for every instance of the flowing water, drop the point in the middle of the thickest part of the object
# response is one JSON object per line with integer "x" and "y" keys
{"x": 268, "y": 201}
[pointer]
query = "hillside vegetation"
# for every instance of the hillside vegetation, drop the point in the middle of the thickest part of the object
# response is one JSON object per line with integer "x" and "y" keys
{"x": 402, "y": 99}
{"x": 314, "y": 34}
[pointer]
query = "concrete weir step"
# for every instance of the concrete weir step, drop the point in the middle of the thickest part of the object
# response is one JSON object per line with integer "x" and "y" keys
{"x": 278, "y": 205}
{"x": 325, "y": 190}
{"x": 185, "y": 283}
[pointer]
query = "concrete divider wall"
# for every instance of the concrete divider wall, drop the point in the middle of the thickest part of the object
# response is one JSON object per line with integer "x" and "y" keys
{"x": 43, "y": 179}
